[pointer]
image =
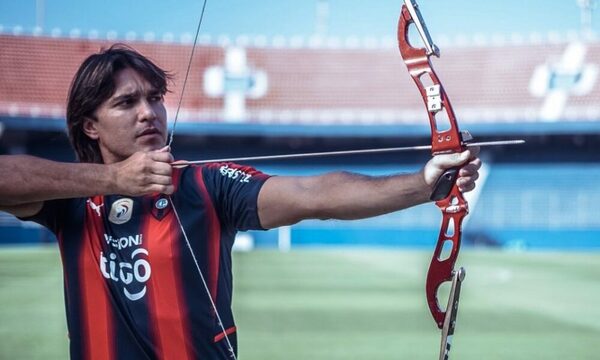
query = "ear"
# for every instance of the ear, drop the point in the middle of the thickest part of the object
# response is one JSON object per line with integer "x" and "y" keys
{"x": 90, "y": 128}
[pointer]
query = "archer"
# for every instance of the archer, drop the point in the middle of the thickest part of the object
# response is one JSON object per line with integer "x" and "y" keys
{"x": 136, "y": 285}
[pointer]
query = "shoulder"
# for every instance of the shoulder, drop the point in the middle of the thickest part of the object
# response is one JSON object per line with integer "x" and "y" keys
{"x": 223, "y": 173}
{"x": 24, "y": 210}
{"x": 53, "y": 214}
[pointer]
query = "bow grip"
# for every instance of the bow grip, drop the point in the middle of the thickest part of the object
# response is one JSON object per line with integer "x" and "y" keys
{"x": 444, "y": 184}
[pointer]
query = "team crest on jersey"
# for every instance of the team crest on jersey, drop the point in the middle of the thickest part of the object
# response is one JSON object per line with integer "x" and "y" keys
{"x": 121, "y": 211}
{"x": 161, "y": 203}
{"x": 160, "y": 207}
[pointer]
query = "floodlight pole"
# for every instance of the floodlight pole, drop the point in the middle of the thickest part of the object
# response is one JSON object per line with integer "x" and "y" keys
{"x": 586, "y": 9}
{"x": 40, "y": 13}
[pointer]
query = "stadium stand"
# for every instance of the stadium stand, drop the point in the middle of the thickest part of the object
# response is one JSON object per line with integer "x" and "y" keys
{"x": 487, "y": 84}
{"x": 268, "y": 95}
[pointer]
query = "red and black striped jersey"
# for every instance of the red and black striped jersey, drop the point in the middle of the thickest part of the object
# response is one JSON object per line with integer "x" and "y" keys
{"x": 132, "y": 289}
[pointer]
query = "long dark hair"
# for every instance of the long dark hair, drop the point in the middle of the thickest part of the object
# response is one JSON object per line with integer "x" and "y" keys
{"x": 94, "y": 83}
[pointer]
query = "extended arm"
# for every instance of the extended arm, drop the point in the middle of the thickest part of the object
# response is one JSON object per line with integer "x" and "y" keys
{"x": 343, "y": 195}
{"x": 28, "y": 181}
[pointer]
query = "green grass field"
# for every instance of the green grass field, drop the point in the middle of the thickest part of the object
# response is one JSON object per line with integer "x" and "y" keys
{"x": 352, "y": 304}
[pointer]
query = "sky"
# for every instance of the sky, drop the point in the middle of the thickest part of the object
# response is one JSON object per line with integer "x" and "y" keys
{"x": 361, "y": 18}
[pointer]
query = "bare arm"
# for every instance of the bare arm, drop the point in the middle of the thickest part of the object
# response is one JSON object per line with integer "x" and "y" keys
{"x": 28, "y": 181}
{"x": 346, "y": 196}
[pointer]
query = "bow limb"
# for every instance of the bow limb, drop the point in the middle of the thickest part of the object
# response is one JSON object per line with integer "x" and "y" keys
{"x": 436, "y": 100}
{"x": 445, "y": 138}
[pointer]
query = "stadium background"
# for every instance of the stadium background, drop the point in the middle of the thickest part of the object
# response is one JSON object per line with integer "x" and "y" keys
{"x": 256, "y": 95}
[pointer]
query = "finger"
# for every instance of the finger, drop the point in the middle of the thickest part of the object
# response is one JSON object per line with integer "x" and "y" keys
{"x": 469, "y": 169}
{"x": 160, "y": 180}
{"x": 162, "y": 189}
{"x": 477, "y": 162}
{"x": 161, "y": 168}
{"x": 165, "y": 157}
{"x": 166, "y": 148}
{"x": 446, "y": 161}
{"x": 180, "y": 164}
{"x": 467, "y": 187}
{"x": 463, "y": 180}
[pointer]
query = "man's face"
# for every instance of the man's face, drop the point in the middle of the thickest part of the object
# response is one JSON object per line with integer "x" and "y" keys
{"x": 132, "y": 119}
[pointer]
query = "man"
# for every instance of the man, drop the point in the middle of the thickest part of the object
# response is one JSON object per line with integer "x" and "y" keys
{"x": 146, "y": 247}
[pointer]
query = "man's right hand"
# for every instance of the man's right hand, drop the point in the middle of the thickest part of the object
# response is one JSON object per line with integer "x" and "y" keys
{"x": 145, "y": 173}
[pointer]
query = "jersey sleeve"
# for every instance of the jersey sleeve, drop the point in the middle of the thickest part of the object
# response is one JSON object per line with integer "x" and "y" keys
{"x": 52, "y": 214}
{"x": 234, "y": 190}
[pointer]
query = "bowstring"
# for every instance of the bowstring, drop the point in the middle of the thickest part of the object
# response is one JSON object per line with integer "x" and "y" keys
{"x": 183, "y": 232}
{"x": 187, "y": 74}
{"x": 204, "y": 283}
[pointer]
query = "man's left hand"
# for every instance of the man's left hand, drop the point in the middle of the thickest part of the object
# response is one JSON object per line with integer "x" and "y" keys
{"x": 468, "y": 162}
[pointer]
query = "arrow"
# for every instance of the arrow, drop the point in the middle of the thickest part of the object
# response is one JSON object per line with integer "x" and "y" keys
{"x": 183, "y": 163}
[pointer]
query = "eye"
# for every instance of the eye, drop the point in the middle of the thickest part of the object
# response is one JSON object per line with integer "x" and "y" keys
{"x": 156, "y": 97}
{"x": 126, "y": 102}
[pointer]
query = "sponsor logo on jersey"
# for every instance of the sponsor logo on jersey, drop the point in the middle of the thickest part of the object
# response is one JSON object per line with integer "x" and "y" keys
{"x": 235, "y": 174}
{"x": 132, "y": 273}
{"x": 123, "y": 242}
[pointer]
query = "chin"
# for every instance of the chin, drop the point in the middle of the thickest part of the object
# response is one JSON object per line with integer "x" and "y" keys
{"x": 151, "y": 143}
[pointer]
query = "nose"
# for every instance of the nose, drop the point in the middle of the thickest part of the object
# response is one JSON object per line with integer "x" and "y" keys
{"x": 146, "y": 111}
